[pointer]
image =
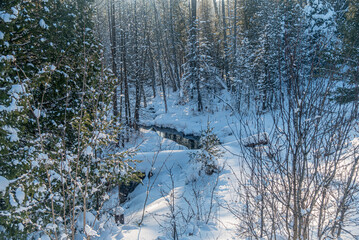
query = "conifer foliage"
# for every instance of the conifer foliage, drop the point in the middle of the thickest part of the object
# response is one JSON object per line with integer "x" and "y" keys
{"x": 58, "y": 152}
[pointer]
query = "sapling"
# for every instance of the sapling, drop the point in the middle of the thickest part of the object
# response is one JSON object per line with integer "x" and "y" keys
{"x": 209, "y": 152}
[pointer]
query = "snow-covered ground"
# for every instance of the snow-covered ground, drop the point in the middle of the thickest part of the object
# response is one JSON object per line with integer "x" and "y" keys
{"x": 197, "y": 198}
{"x": 185, "y": 118}
{"x": 178, "y": 195}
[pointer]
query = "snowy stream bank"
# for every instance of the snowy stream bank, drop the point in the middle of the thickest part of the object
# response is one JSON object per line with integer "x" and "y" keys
{"x": 197, "y": 198}
{"x": 190, "y": 141}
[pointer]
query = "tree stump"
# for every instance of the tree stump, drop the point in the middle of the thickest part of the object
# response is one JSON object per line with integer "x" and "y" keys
{"x": 119, "y": 216}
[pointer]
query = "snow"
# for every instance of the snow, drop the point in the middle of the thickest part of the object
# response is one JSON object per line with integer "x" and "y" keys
{"x": 6, "y": 17}
{"x": 44, "y": 237}
{"x": 21, "y": 227}
{"x": 43, "y": 24}
{"x": 90, "y": 232}
{"x": 16, "y": 88}
{"x": 15, "y": 11}
{"x": 4, "y": 183}
{"x": 54, "y": 176}
{"x": 43, "y": 156}
{"x": 257, "y": 139}
{"x": 88, "y": 151}
{"x": 37, "y": 113}
{"x": 52, "y": 67}
{"x": 13, "y": 137}
{"x": 172, "y": 175}
{"x": 13, "y": 201}
{"x": 51, "y": 226}
{"x": 12, "y": 107}
{"x": 321, "y": 17}
{"x": 9, "y": 58}
{"x": 184, "y": 118}
{"x": 169, "y": 161}
{"x": 91, "y": 224}
{"x": 175, "y": 176}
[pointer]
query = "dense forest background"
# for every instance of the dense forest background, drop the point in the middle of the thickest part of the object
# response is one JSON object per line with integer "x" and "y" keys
{"x": 250, "y": 48}
{"x": 76, "y": 74}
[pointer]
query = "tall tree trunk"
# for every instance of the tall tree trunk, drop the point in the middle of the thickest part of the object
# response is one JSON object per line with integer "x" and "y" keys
{"x": 234, "y": 51}
{"x": 124, "y": 76}
{"x": 174, "y": 51}
{"x": 152, "y": 68}
{"x": 124, "y": 100}
{"x": 225, "y": 47}
{"x": 159, "y": 53}
{"x": 113, "y": 53}
{"x": 137, "y": 77}
{"x": 216, "y": 12}
{"x": 194, "y": 63}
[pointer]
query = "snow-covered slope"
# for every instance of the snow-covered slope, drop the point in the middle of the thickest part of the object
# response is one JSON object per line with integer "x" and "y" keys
{"x": 174, "y": 197}
{"x": 178, "y": 198}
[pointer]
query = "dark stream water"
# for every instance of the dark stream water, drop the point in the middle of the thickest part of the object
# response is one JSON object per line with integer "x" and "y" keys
{"x": 189, "y": 141}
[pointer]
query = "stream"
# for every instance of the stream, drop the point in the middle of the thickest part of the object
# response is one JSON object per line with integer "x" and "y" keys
{"x": 190, "y": 141}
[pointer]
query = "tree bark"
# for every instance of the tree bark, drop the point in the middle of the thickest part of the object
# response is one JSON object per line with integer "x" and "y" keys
{"x": 225, "y": 47}
{"x": 114, "y": 53}
{"x": 159, "y": 53}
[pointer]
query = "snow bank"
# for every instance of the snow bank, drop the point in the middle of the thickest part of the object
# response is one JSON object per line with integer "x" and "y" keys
{"x": 255, "y": 140}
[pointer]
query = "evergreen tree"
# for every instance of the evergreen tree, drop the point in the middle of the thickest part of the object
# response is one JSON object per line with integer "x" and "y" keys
{"x": 208, "y": 72}
{"x": 56, "y": 133}
{"x": 349, "y": 31}
{"x": 15, "y": 24}
{"x": 209, "y": 152}
{"x": 191, "y": 77}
